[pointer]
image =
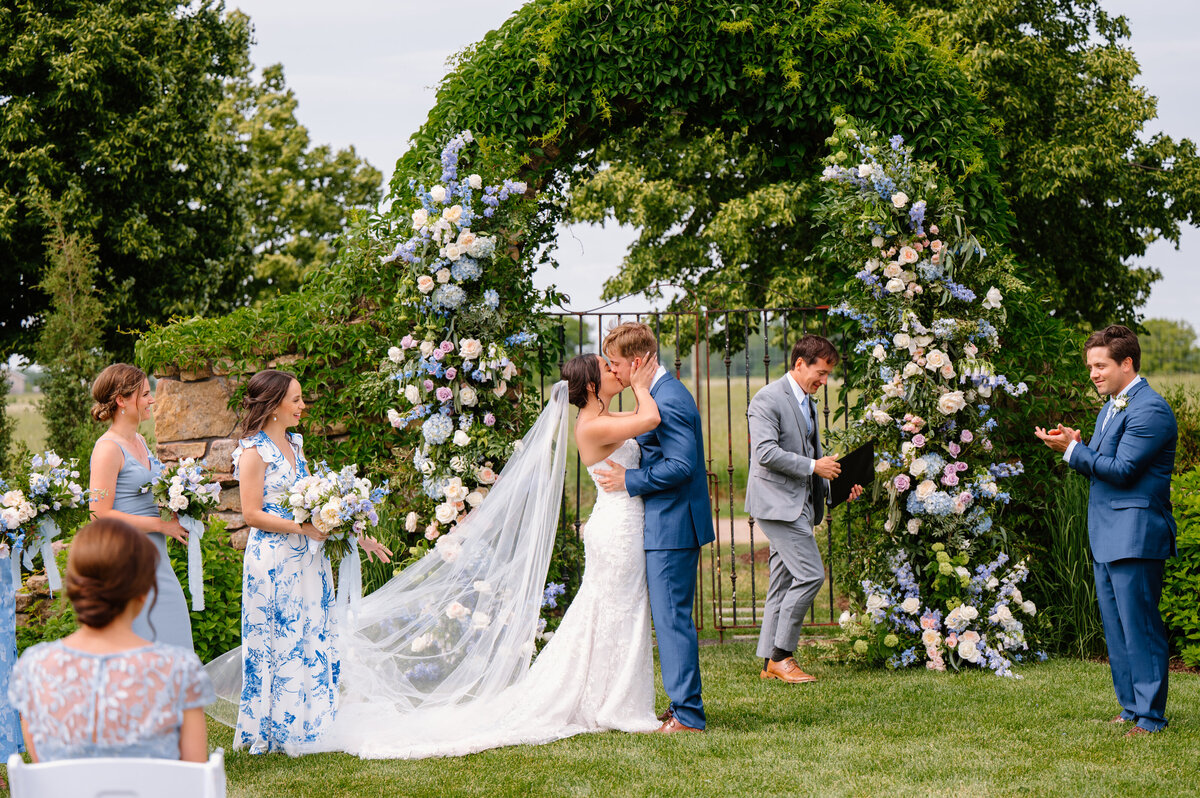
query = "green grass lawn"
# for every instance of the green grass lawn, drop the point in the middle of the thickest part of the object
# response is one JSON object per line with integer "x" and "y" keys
{"x": 854, "y": 733}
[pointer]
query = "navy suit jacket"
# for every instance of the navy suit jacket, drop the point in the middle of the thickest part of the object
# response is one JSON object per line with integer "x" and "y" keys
{"x": 672, "y": 478}
{"x": 1129, "y": 464}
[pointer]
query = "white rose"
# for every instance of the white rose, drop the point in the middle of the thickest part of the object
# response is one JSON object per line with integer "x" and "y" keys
{"x": 935, "y": 359}
{"x": 911, "y": 370}
{"x": 892, "y": 270}
{"x": 420, "y": 218}
{"x": 470, "y": 348}
{"x": 456, "y": 611}
{"x": 394, "y": 418}
{"x": 1029, "y": 607}
{"x": 951, "y": 402}
{"x": 443, "y": 276}
{"x": 438, "y": 193}
{"x": 871, "y": 265}
{"x": 967, "y": 612}
{"x": 1016, "y": 594}
{"x": 965, "y": 574}
{"x": 926, "y": 489}
{"x": 474, "y": 498}
{"x": 395, "y": 354}
{"x": 453, "y": 213}
{"x": 845, "y": 619}
{"x": 992, "y": 298}
{"x": 878, "y": 352}
{"x": 410, "y": 522}
{"x": 425, "y": 283}
{"x": 924, "y": 340}
{"x": 914, "y": 526}
{"x": 917, "y": 467}
{"x": 1002, "y": 615}
{"x": 930, "y": 638}
{"x": 480, "y": 620}
{"x": 412, "y": 393}
{"x": 947, "y": 372}
{"x": 902, "y": 340}
{"x": 894, "y": 285}
{"x": 992, "y": 583}
{"x": 446, "y": 512}
{"x": 911, "y": 605}
{"x": 485, "y": 475}
{"x": 454, "y": 489}
{"x": 908, "y": 255}
{"x": 475, "y": 182}
{"x": 865, "y": 169}
{"x": 461, "y": 438}
{"x": 452, "y": 251}
{"x": 968, "y": 651}
{"x": 875, "y": 602}
{"x": 878, "y": 242}
{"x": 899, "y": 200}
{"x": 467, "y": 396}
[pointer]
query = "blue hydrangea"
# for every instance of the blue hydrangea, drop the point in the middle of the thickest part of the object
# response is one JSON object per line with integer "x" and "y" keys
{"x": 465, "y": 269}
{"x": 437, "y": 429}
{"x": 449, "y": 296}
{"x": 491, "y": 298}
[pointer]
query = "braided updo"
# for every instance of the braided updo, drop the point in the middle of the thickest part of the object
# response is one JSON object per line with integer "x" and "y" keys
{"x": 110, "y": 565}
{"x": 118, "y": 380}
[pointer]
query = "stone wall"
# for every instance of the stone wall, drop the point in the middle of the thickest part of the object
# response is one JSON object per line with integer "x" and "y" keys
{"x": 192, "y": 419}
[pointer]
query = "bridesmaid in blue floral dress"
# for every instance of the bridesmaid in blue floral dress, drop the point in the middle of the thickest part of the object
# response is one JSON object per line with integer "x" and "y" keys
{"x": 121, "y": 466}
{"x": 289, "y": 663}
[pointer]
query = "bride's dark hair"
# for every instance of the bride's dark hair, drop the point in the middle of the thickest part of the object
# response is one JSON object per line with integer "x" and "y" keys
{"x": 581, "y": 373}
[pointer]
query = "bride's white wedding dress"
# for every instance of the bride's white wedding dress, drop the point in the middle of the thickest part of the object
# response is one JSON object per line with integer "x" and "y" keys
{"x": 436, "y": 662}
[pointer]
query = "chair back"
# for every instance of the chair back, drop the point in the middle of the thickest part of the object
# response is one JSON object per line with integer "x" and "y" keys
{"x": 115, "y": 777}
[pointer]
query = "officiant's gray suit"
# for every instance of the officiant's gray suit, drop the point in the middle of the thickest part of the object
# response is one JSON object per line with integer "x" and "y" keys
{"x": 787, "y": 500}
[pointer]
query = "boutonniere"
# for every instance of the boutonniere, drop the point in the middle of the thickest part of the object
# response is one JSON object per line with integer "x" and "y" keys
{"x": 1120, "y": 403}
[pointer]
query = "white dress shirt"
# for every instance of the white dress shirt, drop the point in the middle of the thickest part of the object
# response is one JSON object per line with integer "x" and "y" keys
{"x": 1104, "y": 422}
{"x": 659, "y": 373}
{"x": 803, "y": 400}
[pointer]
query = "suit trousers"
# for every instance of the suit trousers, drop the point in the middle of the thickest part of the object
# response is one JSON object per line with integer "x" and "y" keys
{"x": 1129, "y": 591}
{"x": 796, "y": 576}
{"x": 671, "y": 578}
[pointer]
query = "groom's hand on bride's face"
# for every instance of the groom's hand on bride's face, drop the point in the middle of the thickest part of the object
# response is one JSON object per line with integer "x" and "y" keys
{"x": 614, "y": 478}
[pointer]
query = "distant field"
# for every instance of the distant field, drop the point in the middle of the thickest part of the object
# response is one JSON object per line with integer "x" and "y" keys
{"x": 1164, "y": 381}
{"x": 30, "y": 428}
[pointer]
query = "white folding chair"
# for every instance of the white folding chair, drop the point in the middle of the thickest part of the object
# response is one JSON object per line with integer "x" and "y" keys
{"x": 113, "y": 777}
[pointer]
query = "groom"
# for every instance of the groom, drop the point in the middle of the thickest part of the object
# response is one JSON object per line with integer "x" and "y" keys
{"x": 673, "y": 482}
{"x": 1129, "y": 461}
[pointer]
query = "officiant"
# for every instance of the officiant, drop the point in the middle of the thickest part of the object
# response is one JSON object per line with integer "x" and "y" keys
{"x": 785, "y": 494}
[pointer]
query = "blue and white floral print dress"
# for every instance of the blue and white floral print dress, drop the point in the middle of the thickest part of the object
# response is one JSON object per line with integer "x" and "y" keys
{"x": 289, "y": 661}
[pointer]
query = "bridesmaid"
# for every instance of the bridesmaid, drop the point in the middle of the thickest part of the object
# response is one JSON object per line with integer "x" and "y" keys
{"x": 121, "y": 465}
{"x": 289, "y": 665}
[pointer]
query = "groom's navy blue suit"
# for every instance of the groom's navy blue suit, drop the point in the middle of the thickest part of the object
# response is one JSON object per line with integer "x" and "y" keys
{"x": 673, "y": 483}
{"x": 1132, "y": 532}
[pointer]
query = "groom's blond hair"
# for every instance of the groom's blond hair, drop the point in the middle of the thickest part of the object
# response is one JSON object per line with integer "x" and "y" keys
{"x": 631, "y": 339}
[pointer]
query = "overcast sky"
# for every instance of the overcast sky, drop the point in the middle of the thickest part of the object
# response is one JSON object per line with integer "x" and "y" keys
{"x": 364, "y": 72}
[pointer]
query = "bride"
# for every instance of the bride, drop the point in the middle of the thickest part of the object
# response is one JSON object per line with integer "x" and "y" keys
{"x": 437, "y": 661}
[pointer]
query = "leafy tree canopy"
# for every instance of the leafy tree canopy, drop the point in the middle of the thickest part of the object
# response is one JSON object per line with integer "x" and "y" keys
{"x": 1169, "y": 347}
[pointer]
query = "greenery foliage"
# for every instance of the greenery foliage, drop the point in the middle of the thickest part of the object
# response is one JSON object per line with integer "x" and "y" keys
{"x": 1181, "y": 580}
{"x": 1089, "y": 187}
{"x": 1169, "y": 347}
{"x": 1067, "y": 581}
{"x": 68, "y": 345}
{"x": 7, "y": 422}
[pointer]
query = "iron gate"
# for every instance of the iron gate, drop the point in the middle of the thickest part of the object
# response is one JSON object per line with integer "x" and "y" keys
{"x": 731, "y": 340}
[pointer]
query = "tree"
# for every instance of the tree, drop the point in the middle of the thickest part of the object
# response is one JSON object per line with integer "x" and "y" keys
{"x": 1169, "y": 347}
{"x": 1088, "y": 187}
{"x": 301, "y": 195}
{"x": 108, "y": 106}
{"x": 69, "y": 343}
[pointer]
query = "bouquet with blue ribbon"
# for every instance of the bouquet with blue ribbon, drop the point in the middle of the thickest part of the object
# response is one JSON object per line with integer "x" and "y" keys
{"x": 33, "y": 514}
{"x": 187, "y": 492}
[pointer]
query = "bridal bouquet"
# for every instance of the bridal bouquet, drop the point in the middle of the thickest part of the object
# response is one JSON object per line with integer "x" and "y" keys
{"x": 966, "y": 617}
{"x": 186, "y": 490}
{"x": 52, "y": 498}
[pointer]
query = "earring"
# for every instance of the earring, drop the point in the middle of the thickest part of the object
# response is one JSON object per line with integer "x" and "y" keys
{"x": 274, "y": 418}
{"x": 122, "y": 411}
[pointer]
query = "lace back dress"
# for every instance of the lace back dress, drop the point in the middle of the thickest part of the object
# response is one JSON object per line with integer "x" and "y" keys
{"x": 289, "y": 663}
{"x": 595, "y": 674}
{"x": 127, "y": 704}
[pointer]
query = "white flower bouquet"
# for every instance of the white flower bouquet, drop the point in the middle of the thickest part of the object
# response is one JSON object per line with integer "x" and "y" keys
{"x": 187, "y": 491}
{"x": 50, "y": 497}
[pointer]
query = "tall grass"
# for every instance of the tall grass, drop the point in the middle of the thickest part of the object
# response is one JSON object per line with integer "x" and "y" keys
{"x": 1068, "y": 579}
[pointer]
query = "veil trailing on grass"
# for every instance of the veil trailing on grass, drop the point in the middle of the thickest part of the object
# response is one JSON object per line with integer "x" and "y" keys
{"x": 455, "y": 627}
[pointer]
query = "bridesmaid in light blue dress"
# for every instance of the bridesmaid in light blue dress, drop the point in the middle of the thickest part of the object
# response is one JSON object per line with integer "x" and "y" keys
{"x": 121, "y": 466}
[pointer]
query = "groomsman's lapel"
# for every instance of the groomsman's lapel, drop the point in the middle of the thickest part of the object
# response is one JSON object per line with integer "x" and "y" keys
{"x": 789, "y": 396}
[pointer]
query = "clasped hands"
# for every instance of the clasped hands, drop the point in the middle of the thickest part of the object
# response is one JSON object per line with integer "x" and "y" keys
{"x": 1058, "y": 438}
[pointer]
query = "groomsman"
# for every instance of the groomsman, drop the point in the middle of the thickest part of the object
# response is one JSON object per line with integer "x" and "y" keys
{"x": 1129, "y": 461}
{"x": 785, "y": 494}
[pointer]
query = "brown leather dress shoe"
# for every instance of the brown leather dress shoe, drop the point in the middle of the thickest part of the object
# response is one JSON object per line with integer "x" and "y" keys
{"x": 1119, "y": 719}
{"x": 667, "y": 714}
{"x": 1137, "y": 731}
{"x": 673, "y": 725}
{"x": 786, "y": 671}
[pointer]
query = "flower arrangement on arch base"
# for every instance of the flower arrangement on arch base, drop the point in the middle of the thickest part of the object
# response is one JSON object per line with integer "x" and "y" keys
{"x": 455, "y": 376}
{"x": 927, "y": 299}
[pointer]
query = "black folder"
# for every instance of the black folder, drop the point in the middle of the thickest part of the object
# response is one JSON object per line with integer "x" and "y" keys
{"x": 858, "y": 468}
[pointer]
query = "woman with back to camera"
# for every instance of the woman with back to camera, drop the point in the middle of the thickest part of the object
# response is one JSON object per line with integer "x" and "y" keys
{"x": 289, "y": 661}
{"x": 104, "y": 690}
{"x": 121, "y": 466}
